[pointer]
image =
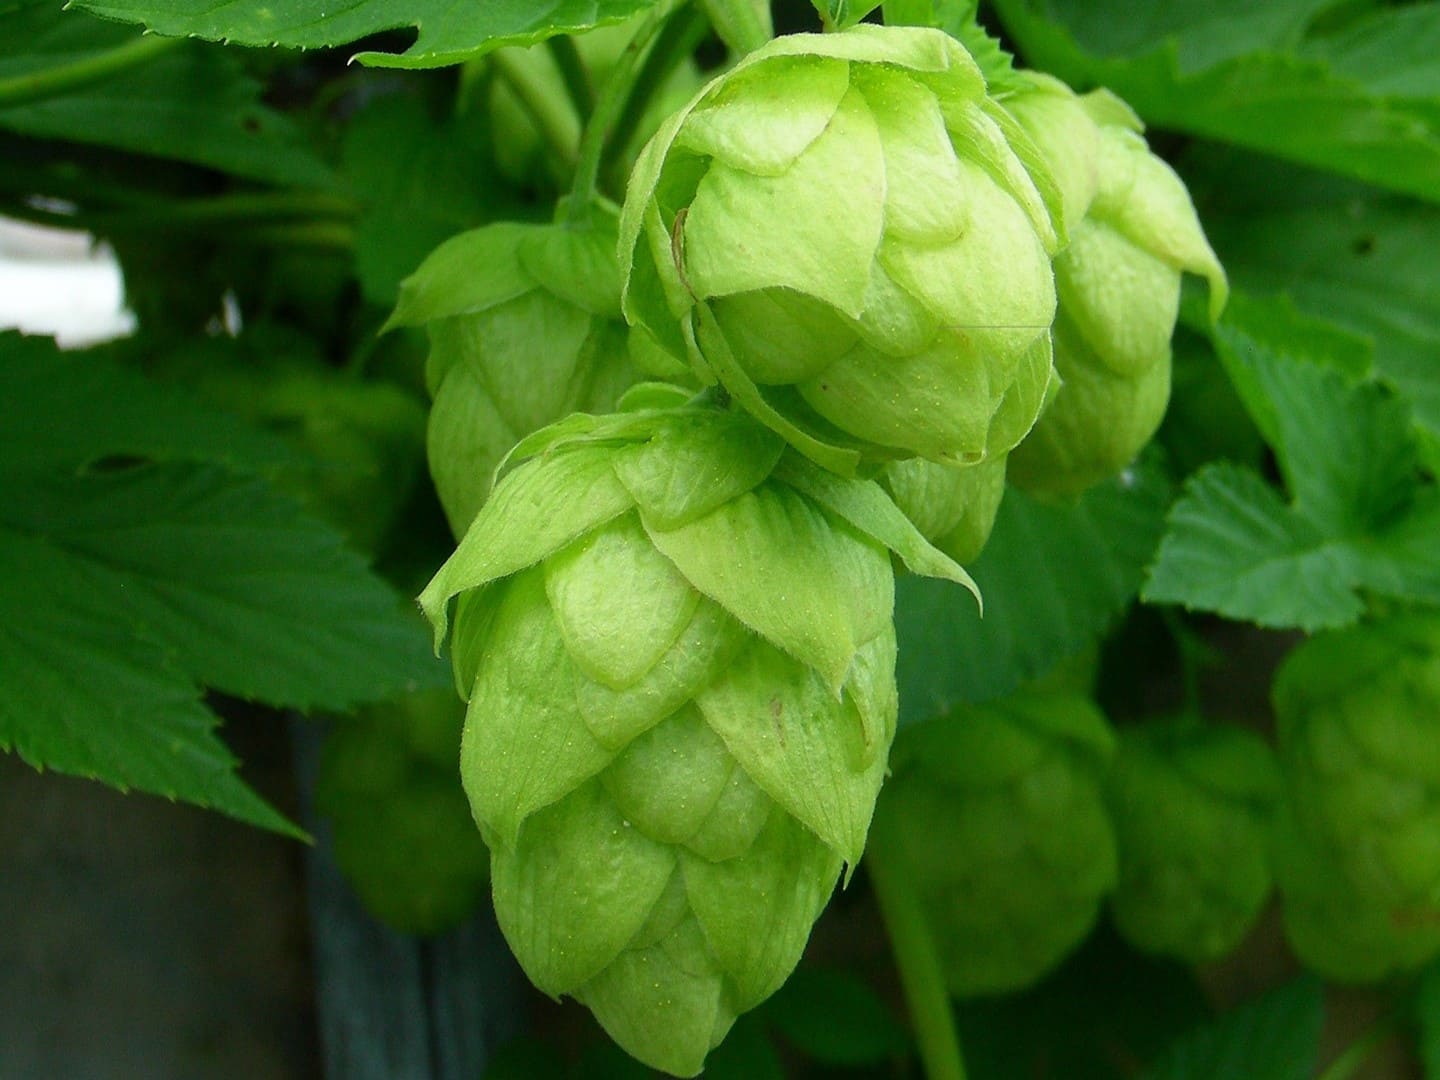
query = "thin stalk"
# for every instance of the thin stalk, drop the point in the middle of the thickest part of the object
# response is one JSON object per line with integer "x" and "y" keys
{"x": 552, "y": 117}
{"x": 920, "y": 976}
{"x": 78, "y": 74}
{"x": 676, "y": 40}
{"x": 744, "y": 25}
{"x": 572, "y": 70}
{"x": 608, "y": 109}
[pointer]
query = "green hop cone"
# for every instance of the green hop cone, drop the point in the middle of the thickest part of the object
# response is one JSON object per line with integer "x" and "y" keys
{"x": 841, "y": 231}
{"x": 1132, "y": 234}
{"x": 677, "y": 644}
{"x": 1358, "y": 858}
{"x": 524, "y": 324}
{"x": 996, "y": 814}
{"x": 402, "y": 828}
{"x": 1194, "y": 810}
{"x": 953, "y": 506}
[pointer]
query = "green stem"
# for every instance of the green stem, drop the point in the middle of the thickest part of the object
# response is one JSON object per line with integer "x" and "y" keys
{"x": 608, "y": 109}
{"x": 744, "y": 25}
{"x": 78, "y": 74}
{"x": 675, "y": 42}
{"x": 552, "y": 116}
{"x": 572, "y": 70}
{"x": 1359, "y": 1051}
{"x": 915, "y": 957}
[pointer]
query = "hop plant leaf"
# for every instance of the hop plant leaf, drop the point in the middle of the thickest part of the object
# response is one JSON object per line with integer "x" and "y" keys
{"x": 1358, "y": 860}
{"x": 997, "y": 814}
{"x": 1132, "y": 234}
{"x": 1193, "y": 810}
{"x": 916, "y": 328}
{"x": 676, "y": 640}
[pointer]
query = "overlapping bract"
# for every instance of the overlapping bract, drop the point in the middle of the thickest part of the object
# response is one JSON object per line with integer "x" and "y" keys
{"x": 1358, "y": 857}
{"x": 1132, "y": 233}
{"x": 524, "y": 324}
{"x": 953, "y": 506}
{"x": 676, "y": 641}
{"x": 841, "y": 231}
{"x": 997, "y": 815}
{"x": 1193, "y": 810}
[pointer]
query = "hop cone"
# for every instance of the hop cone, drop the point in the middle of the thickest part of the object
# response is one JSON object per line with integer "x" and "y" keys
{"x": 1132, "y": 233}
{"x": 839, "y": 231}
{"x": 1193, "y": 809}
{"x": 1358, "y": 858}
{"x": 524, "y": 324}
{"x": 997, "y": 814}
{"x": 676, "y": 642}
{"x": 403, "y": 833}
{"x": 953, "y": 506}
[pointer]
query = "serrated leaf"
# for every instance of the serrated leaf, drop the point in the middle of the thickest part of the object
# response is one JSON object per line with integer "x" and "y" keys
{"x": 1054, "y": 576}
{"x": 83, "y": 693}
{"x": 189, "y": 102}
{"x": 70, "y": 408}
{"x": 448, "y": 34}
{"x": 1243, "y": 73}
{"x": 1274, "y": 1037}
{"x": 246, "y": 594}
{"x": 1235, "y": 548}
{"x": 1341, "y": 252}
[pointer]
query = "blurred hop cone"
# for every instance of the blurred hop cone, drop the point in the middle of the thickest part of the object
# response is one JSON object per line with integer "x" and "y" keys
{"x": 996, "y": 813}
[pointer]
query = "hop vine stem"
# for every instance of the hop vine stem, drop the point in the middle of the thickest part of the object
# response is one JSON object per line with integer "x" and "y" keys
{"x": 920, "y": 976}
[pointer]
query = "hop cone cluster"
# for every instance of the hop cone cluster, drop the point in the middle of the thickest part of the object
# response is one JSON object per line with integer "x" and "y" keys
{"x": 1194, "y": 811}
{"x": 402, "y": 828}
{"x": 996, "y": 813}
{"x": 675, "y": 637}
{"x": 842, "y": 232}
{"x": 1358, "y": 857}
{"x": 524, "y": 324}
{"x": 1132, "y": 233}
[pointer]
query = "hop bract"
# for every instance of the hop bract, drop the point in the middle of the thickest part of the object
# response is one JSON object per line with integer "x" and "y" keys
{"x": 953, "y": 506}
{"x": 676, "y": 641}
{"x": 1193, "y": 810}
{"x": 1132, "y": 233}
{"x": 1358, "y": 859}
{"x": 997, "y": 815}
{"x": 839, "y": 231}
{"x": 525, "y": 327}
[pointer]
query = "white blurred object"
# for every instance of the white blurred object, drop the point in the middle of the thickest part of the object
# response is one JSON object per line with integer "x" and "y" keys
{"x": 60, "y": 282}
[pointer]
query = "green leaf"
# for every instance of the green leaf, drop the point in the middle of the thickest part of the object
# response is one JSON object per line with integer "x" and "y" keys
{"x": 1054, "y": 576}
{"x": 1338, "y": 250}
{"x": 1244, "y": 73}
{"x": 1274, "y": 1037}
{"x": 836, "y": 1019}
{"x": 1359, "y": 517}
{"x": 1235, "y": 548}
{"x": 190, "y": 102}
{"x": 420, "y": 180}
{"x": 83, "y": 693}
{"x": 448, "y": 34}
{"x": 246, "y": 594}
{"x": 71, "y": 408}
